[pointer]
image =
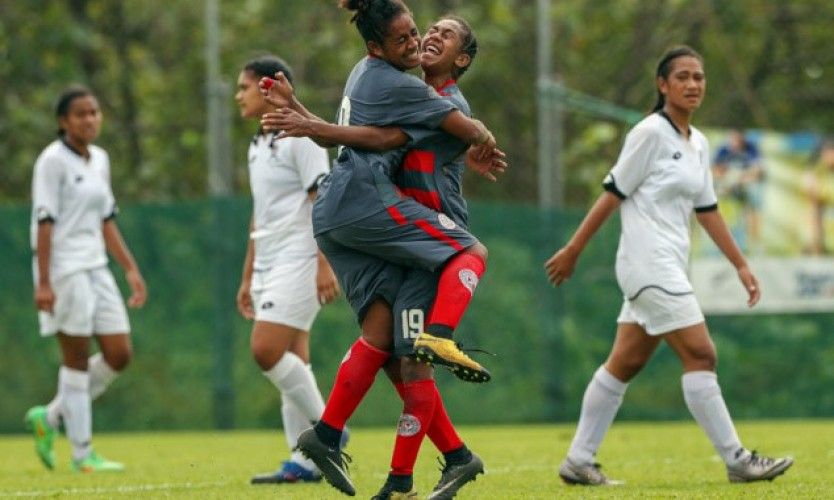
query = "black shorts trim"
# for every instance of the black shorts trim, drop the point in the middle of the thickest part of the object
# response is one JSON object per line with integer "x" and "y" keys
{"x": 658, "y": 287}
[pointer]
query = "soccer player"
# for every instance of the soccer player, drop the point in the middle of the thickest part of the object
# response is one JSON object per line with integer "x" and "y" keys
{"x": 431, "y": 173}
{"x": 362, "y": 218}
{"x": 660, "y": 178}
{"x": 73, "y": 227}
{"x": 285, "y": 278}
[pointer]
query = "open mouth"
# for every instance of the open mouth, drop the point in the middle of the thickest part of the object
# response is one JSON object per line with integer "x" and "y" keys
{"x": 432, "y": 49}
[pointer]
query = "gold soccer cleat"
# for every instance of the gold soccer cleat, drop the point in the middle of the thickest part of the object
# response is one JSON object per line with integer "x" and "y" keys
{"x": 439, "y": 351}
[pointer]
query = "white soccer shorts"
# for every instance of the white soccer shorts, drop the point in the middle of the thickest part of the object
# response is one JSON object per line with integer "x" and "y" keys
{"x": 659, "y": 312}
{"x": 86, "y": 303}
{"x": 286, "y": 293}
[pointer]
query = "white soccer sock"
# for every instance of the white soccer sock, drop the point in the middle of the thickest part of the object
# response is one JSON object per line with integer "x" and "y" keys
{"x": 53, "y": 408}
{"x": 704, "y": 400}
{"x": 294, "y": 424}
{"x": 292, "y": 377}
{"x": 101, "y": 375}
{"x": 76, "y": 410}
{"x": 602, "y": 399}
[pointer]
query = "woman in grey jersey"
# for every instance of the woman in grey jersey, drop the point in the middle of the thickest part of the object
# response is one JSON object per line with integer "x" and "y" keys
{"x": 285, "y": 278}
{"x": 430, "y": 173}
{"x": 364, "y": 224}
{"x": 661, "y": 177}
{"x": 73, "y": 228}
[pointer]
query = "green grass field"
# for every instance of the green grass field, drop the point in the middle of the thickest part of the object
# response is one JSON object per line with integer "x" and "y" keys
{"x": 657, "y": 460}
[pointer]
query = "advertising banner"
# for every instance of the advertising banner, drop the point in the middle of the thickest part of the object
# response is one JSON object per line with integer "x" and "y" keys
{"x": 776, "y": 193}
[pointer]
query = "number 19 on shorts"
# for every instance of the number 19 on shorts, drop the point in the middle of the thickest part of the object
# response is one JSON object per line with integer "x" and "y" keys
{"x": 412, "y": 321}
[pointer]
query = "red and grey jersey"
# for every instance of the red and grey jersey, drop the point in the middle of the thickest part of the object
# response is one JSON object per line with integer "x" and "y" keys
{"x": 432, "y": 170}
{"x": 73, "y": 193}
{"x": 360, "y": 183}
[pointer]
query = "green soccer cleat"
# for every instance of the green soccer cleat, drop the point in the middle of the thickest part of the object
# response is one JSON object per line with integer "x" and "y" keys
{"x": 96, "y": 463}
{"x": 44, "y": 435}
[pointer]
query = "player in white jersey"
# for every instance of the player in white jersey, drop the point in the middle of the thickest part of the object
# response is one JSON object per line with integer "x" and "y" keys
{"x": 73, "y": 228}
{"x": 660, "y": 178}
{"x": 285, "y": 277}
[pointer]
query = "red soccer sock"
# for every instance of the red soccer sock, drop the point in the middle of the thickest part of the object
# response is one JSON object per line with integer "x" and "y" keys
{"x": 441, "y": 430}
{"x": 454, "y": 290}
{"x": 417, "y": 413}
{"x": 354, "y": 378}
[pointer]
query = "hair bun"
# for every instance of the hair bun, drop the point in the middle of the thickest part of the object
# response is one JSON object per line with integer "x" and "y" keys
{"x": 357, "y": 5}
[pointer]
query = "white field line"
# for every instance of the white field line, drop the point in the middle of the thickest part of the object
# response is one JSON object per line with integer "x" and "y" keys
{"x": 139, "y": 488}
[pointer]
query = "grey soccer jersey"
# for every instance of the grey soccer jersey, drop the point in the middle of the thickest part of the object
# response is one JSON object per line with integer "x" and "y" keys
{"x": 74, "y": 193}
{"x": 360, "y": 183}
{"x": 432, "y": 170}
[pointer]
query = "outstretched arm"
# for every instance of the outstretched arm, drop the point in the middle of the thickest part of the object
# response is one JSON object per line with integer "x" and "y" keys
{"x": 714, "y": 225}
{"x": 560, "y": 266}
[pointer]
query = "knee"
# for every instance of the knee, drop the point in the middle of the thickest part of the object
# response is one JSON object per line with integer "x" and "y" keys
{"x": 412, "y": 370}
{"x": 265, "y": 355}
{"x": 480, "y": 250}
{"x": 627, "y": 367}
{"x": 118, "y": 361}
{"x": 703, "y": 358}
{"x": 379, "y": 340}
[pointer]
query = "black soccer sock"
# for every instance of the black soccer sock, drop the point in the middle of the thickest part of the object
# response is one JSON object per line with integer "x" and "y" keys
{"x": 400, "y": 483}
{"x": 458, "y": 456}
{"x": 327, "y": 434}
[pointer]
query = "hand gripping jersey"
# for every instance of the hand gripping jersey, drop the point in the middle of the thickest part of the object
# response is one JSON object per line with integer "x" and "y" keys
{"x": 432, "y": 170}
{"x": 360, "y": 184}
{"x": 73, "y": 192}
{"x": 281, "y": 174}
{"x": 662, "y": 177}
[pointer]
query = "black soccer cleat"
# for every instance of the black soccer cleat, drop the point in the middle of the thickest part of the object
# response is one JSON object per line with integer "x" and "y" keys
{"x": 454, "y": 476}
{"x": 389, "y": 493}
{"x": 332, "y": 462}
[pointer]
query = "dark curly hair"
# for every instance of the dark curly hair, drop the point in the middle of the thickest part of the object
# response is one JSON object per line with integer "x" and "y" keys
{"x": 373, "y": 17}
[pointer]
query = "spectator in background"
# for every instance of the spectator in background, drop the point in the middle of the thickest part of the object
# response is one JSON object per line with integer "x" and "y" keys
{"x": 739, "y": 174}
{"x": 819, "y": 187}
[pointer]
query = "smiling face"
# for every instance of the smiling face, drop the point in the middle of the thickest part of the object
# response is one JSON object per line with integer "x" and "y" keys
{"x": 401, "y": 46}
{"x": 442, "y": 46}
{"x": 248, "y": 96}
{"x": 82, "y": 122}
{"x": 685, "y": 86}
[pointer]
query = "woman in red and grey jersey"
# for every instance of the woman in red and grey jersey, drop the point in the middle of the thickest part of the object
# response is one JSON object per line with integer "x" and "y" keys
{"x": 431, "y": 173}
{"x": 286, "y": 279}
{"x": 73, "y": 227}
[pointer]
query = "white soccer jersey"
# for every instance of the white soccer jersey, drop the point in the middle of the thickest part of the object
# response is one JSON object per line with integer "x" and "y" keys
{"x": 662, "y": 177}
{"x": 74, "y": 192}
{"x": 281, "y": 173}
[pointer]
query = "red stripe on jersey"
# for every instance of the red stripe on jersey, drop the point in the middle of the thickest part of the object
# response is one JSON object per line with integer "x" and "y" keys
{"x": 419, "y": 161}
{"x": 398, "y": 217}
{"x": 432, "y": 231}
{"x": 437, "y": 234}
{"x": 442, "y": 89}
{"x": 428, "y": 198}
